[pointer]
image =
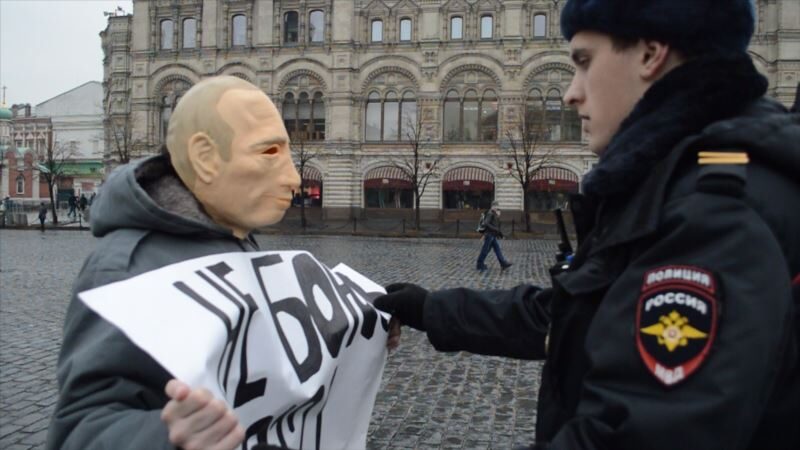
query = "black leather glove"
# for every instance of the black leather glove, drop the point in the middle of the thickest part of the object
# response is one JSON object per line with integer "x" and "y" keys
{"x": 406, "y": 302}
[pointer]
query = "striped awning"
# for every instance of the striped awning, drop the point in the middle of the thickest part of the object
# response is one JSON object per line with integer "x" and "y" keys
{"x": 555, "y": 173}
{"x": 311, "y": 174}
{"x": 386, "y": 172}
{"x": 468, "y": 174}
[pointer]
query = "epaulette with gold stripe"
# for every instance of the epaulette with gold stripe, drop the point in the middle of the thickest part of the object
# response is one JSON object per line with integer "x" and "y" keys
{"x": 704, "y": 158}
{"x": 722, "y": 172}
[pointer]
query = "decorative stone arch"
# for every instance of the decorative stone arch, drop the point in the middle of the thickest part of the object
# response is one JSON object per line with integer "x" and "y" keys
{"x": 161, "y": 110}
{"x": 238, "y": 69}
{"x": 529, "y": 80}
{"x": 470, "y": 67}
{"x": 170, "y": 73}
{"x": 285, "y": 79}
{"x": 389, "y": 69}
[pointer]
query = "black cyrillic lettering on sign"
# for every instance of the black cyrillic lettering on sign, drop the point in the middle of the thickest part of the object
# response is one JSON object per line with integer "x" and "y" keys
{"x": 295, "y": 308}
{"x": 245, "y": 390}
{"x": 310, "y": 275}
{"x": 258, "y": 429}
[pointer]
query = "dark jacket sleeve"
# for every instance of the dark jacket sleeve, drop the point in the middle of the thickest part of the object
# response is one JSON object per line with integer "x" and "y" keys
{"x": 110, "y": 392}
{"x": 511, "y": 322}
{"x": 623, "y": 406}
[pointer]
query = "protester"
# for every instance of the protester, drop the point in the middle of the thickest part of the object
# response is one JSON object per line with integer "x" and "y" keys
{"x": 674, "y": 326}
{"x": 82, "y": 202}
{"x": 491, "y": 235}
{"x": 42, "y": 215}
{"x": 228, "y": 171}
{"x": 72, "y": 201}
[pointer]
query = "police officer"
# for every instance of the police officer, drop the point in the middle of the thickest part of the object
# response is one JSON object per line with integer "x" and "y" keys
{"x": 675, "y": 325}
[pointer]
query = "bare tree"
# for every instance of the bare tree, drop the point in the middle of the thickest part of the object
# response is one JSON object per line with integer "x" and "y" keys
{"x": 302, "y": 156}
{"x": 52, "y": 161}
{"x": 530, "y": 155}
{"x": 121, "y": 145}
{"x": 416, "y": 166}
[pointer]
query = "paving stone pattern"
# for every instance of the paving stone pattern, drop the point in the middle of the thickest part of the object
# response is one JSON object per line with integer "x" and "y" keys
{"x": 427, "y": 399}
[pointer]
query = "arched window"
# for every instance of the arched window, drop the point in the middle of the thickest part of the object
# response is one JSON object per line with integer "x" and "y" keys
{"x": 452, "y": 117}
{"x": 373, "y": 118}
{"x": 189, "y": 33}
{"x": 456, "y": 27}
{"x": 304, "y": 116}
{"x": 20, "y": 184}
{"x": 316, "y": 26}
{"x": 171, "y": 93}
{"x": 550, "y": 188}
{"x": 539, "y": 25}
{"x": 405, "y": 30}
{"x": 467, "y": 188}
{"x": 238, "y": 30}
{"x": 391, "y": 117}
{"x": 388, "y": 187}
{"x": 471, "y": 117}
{"x": 377, "y": 31}
{"x": 167, "y": 31}
{"x": 489, "y": 116}
{"x": 318, "y": 115}
{"x": 290, "y": 27}
{"x": 409, "y": 127}
{"x": 289, "y": 112}
{"x": 534, "y": 116}
{"x": 553, "y": 107}
{"x": 546, "y": 113}
{"x": 486, "y": 27}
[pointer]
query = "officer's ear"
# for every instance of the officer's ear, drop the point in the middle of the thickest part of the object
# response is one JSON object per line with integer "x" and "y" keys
{"x": 655, "y": 59}
{"x": 203, "y": 155}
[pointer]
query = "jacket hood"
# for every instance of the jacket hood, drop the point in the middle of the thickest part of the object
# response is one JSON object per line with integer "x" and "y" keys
{"x": 148, "y": 195}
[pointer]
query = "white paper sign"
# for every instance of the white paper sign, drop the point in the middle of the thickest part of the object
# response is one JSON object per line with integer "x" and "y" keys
{"x": 296, "y": 349}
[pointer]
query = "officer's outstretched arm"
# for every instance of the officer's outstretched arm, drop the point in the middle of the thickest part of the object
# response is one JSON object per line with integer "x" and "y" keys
{"x": 684, "y": 348}
{"x": 510, "y": 322}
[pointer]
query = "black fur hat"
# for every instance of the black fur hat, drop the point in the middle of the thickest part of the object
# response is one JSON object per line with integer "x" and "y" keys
{"x": 695, "y": 27}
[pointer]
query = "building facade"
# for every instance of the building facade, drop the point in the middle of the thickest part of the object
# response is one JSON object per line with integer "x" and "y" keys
{"x": 74, "y": 120}
{"x": 354, "y": 79}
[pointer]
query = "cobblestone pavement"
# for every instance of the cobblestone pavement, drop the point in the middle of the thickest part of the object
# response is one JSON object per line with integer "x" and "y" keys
{"x": 427, "y": 399}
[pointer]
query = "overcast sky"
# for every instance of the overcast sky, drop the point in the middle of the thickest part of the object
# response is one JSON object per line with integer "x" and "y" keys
{"x": 48, "y": 47}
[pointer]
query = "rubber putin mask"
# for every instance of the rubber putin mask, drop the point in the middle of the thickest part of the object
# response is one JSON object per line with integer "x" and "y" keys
{"x": 234, "y": 156}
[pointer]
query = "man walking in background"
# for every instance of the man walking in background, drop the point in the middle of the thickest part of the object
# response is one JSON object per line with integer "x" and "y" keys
{"x": 490, "y": 224}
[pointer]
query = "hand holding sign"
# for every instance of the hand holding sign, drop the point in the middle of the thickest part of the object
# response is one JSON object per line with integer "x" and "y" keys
{"x": 196, "y": 420}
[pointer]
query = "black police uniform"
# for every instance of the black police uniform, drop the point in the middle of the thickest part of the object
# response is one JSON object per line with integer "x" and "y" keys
{"x": 675, "y": 325}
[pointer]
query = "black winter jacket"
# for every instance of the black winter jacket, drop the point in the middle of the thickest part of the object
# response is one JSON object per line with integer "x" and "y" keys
{"x": 675, "y": 326}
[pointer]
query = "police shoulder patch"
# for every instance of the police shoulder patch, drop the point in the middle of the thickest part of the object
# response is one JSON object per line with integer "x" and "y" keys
{"x": 676, "y": 321}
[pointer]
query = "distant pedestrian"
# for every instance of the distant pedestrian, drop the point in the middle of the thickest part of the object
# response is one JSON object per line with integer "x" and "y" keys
{"x": 83, "y": 202}
{"x": 490, "y": 224}
{"x": 6, "y": 204}
{"x": 42, "y": 215}
{"x": 91, "y": 199}
{"x": 72, "y": 202}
